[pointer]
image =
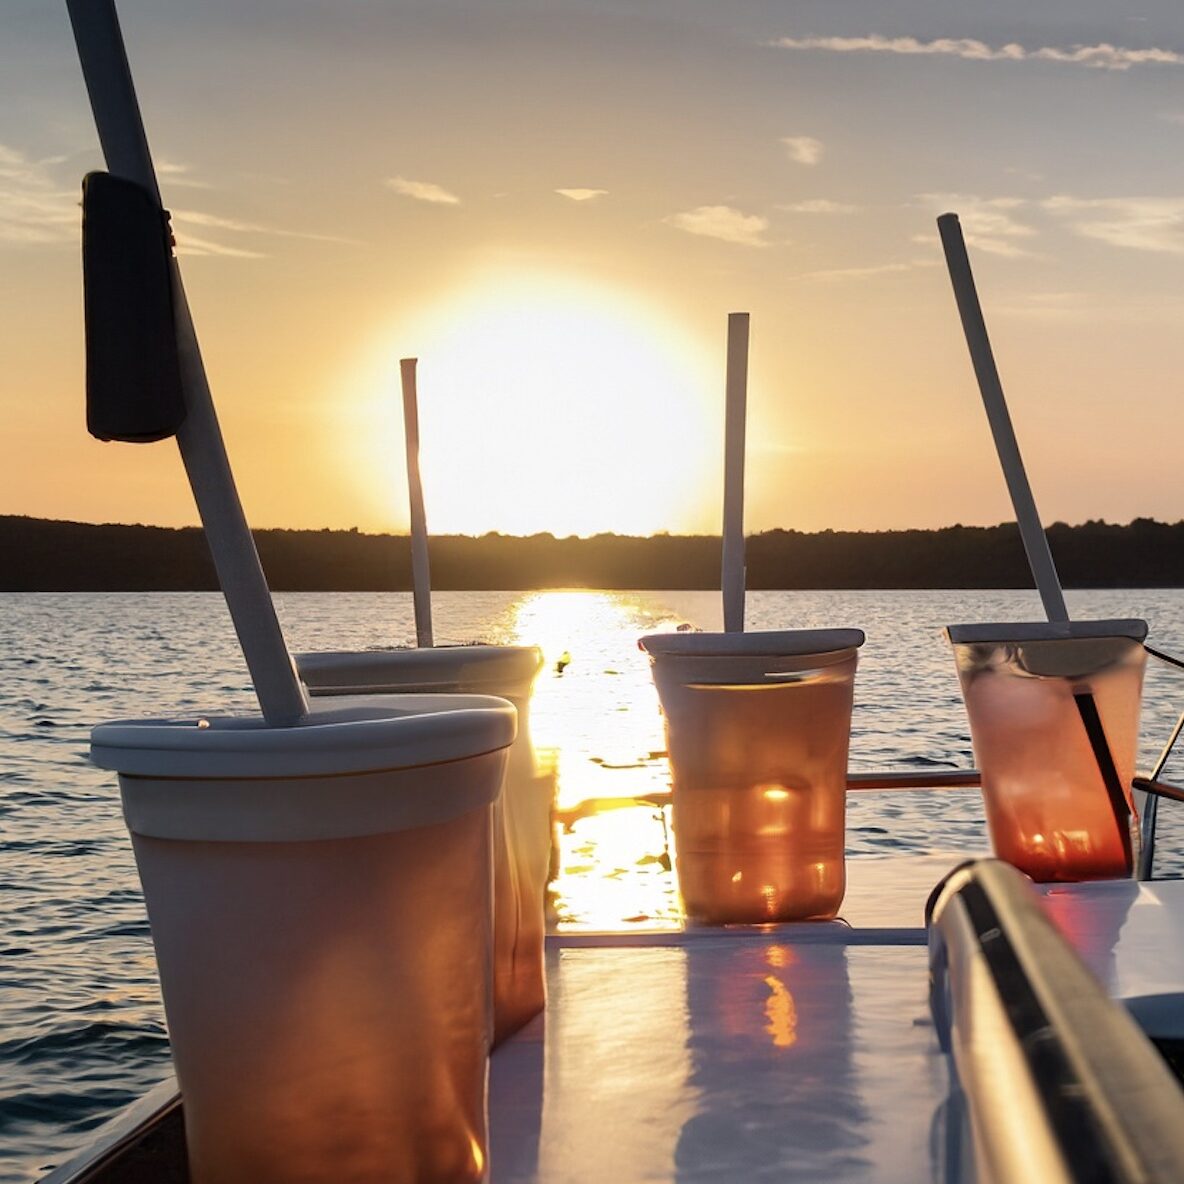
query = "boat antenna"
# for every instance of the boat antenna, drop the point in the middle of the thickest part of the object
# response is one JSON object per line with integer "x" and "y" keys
{"x": 421, "y": 575}
{"x": 125, "y": 146}
{"x": 1035, "y": 539}
{"x": 733, "y": 574}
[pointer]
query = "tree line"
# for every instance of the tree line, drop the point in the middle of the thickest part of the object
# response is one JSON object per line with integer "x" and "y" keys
{"x": 41, "y": 555}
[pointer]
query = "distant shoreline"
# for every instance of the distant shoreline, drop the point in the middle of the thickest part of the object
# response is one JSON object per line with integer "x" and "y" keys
{"x": 46, "y": 555}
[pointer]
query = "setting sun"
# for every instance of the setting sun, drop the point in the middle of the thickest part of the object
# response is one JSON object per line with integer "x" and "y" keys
{"x": 545, "y": 405}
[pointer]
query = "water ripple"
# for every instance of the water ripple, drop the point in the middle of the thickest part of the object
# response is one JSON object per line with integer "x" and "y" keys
{"x": 80, "y": 1010}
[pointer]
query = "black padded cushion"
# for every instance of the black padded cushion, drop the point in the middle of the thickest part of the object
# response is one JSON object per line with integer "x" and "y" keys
{"x": 133, "y": 373}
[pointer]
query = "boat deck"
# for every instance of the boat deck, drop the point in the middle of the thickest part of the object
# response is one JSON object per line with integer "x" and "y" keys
{"x": 723, "y": 1058}
{"x": 787, "y": 1052}
{"x": 782, "y": 1052}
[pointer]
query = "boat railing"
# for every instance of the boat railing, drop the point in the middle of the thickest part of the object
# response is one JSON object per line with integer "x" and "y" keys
{"x": 1088, "y": 1097}
{"x": 1153, "y": 785}
{"x": 857, "y": 782}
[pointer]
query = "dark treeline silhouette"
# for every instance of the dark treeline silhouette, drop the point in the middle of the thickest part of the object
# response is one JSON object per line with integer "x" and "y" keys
{"x": 43, "y": 556}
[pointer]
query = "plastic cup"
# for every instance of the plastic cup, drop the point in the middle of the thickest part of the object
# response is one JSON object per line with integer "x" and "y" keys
{"x": 758, "y": 727}
{"x": 1029, "y": 691}
{"x": 522, "y": 818}
{"x": 319, "y": 898}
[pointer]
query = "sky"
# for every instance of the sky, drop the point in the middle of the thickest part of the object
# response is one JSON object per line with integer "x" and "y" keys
{"x": 555, "y": 204}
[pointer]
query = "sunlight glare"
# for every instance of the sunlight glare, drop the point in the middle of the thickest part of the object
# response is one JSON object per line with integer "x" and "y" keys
{"x": 548, "y": 404}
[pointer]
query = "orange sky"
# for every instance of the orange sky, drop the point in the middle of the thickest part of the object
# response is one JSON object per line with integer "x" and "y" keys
{"x": 556, "y": 207}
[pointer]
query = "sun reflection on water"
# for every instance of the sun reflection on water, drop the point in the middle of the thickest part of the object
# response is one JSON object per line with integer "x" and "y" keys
{"x": 596, "y": 718}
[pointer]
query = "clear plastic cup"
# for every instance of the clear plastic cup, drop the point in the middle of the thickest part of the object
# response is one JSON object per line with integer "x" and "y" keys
{"x": 1058, "y": 799}
{"x": 522, "y": 823}
{"x": 320, "y": 904}
{"x": 758, "y": 727}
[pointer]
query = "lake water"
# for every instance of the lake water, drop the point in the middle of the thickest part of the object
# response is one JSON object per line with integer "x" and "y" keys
{"x": 81, "y": 1028}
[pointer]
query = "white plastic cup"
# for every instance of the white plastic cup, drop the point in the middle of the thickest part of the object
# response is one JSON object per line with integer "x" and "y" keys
{"x": 1049, "y": 809}
{"x": 522, "y": 819}
{"x": 320, "y": 904}
{"x": 758, "y": 728}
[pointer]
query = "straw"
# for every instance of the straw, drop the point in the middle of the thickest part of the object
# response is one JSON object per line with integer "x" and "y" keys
{"x": 125, "y": 146}
{"x": 732, "y": 576}
{"x": 421, "y": 576}
{"x": 1035, "y": 540}
{"x": 1040, "y": 560}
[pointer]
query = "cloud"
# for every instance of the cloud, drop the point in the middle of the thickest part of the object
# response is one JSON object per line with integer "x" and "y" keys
{"x": 861, "y": 273}
{"x": 1081, "y": 307}
{"x": 1102, "y": 56}
{"x": 189, "y": 245}
{"x": 176, "y": 176}
{"x": 988, "y": 223}
{"x": 581, "y": 194}
{"x": 803, "y": 149}
{"x": 34, "y": 208}
{"x": 423, "y": 191}
{"x": 818, "y": 205}
{"x": 725, "y": 223}
{"x": 1137, "y": 223}
{"x": 236, "y": 226}
{"x": 1046, "y": 306}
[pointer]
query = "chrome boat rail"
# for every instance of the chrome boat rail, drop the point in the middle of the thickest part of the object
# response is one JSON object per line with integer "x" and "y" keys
{"x": 1088, "y": 1097}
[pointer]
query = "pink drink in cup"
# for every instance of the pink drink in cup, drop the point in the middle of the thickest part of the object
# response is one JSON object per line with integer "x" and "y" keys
{"x": 1058, "y": 801}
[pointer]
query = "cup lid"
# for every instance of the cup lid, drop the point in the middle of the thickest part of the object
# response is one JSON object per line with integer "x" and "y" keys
{"x": 786, "y": 643}
{"x": 345, "y": 772}
{"x": 1020, "y": 631}
{"x": 396, "y": 733}
{"x": 494, "y": 669}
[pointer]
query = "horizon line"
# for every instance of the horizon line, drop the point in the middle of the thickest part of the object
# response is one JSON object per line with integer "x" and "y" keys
{"x": 544, "y": 534}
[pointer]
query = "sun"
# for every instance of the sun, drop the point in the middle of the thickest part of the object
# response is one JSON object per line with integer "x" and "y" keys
{"x": 550, "y": 404}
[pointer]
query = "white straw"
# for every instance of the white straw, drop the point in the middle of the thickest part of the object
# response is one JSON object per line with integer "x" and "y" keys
{"x": 125, "y": 146}
{"x": 1040, "y": 560}
{"x": 421, "y": 576}
{"x": 732, "y": 576}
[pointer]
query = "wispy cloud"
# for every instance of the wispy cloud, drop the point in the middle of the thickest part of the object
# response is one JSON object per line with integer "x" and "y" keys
{"x": 1078, "y": 307}
{"x": 803, "y": 149}
{"x": 1046, "y": 306}
{"x": 237, "y": 226}
{"x": 1138, "y": 223}
{"x": 724, "y": 223}
{"x": 862, "y": 273}
{"x": 818, "y": 205}
{"x": 581, "y": 194}
{"x": 989, "y": 223}
{"x": 1102, "y": 56}
{"x": 423, "y": 191}
{"x": 191, "y": 245}
{"x": 34, "y": 208}
{"x": 176, "y": 176}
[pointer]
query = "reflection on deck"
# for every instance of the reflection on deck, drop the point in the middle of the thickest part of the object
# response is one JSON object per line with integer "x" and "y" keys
{"x": 724, "y": 1056}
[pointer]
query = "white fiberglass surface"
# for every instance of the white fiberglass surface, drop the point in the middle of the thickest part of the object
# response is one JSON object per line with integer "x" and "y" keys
{"x": 1131, "y": 935}
{"x": 728, "y": 1057}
